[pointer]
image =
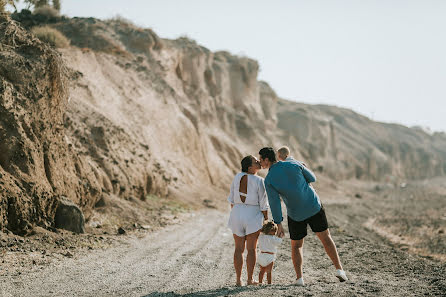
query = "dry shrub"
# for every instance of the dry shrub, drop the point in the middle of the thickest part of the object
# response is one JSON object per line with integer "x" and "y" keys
{"x": 51, "y": 36}
{"x": 122, "y": 20}
{"x": 47, "y": 11}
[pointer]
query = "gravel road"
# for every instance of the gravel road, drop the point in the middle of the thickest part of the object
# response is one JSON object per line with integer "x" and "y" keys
{"x": 194, "y": 258}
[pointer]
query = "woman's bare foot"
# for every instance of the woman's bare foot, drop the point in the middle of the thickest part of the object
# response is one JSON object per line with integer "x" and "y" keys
{"x": 238, "y": 283}
{"x": 252, "y": 283}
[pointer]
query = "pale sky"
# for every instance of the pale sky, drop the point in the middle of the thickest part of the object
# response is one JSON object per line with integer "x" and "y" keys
{"x": 385, "y": 59}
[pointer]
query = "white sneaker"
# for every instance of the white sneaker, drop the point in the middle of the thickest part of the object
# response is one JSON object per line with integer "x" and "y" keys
{"x": 340, "y": 274}
{"x": 300, "y": 282}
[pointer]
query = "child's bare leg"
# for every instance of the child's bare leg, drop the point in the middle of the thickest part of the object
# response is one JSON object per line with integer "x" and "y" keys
{"x": 261, "y": 274}
{"x": 269, "y": 269}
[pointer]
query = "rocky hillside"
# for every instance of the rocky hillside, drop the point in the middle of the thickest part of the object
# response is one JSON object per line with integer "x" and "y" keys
{"x": 345, "y": 145}
{"x": 124, "y": 114}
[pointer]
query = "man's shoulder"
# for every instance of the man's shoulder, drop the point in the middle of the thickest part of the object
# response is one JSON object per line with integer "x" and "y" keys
{"x": 288, "y": 164}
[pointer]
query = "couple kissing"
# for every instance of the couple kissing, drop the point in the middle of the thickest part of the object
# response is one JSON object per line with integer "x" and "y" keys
{"x": 252, "y": 196}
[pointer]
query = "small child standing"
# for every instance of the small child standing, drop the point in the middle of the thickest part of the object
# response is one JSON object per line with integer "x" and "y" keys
{"x": 268, "y": 244}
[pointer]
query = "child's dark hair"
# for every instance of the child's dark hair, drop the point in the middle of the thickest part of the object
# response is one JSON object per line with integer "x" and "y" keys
{"x": 268, "y": 227}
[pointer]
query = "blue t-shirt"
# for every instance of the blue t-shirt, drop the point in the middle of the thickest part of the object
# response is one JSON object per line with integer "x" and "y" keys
{"x": 290, "y": 180}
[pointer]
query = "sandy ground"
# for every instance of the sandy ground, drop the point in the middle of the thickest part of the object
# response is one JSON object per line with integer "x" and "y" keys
{"x": 194, "y": 258}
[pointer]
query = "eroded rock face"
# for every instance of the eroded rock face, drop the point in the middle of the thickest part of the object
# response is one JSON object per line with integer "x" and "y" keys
{"x": 36, "y": 163}
{"x": 32, "y": 103}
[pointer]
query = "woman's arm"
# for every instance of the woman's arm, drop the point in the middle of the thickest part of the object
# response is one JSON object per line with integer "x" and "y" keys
{"x": 231, "y": 193}
{"x": 263, "y": 199}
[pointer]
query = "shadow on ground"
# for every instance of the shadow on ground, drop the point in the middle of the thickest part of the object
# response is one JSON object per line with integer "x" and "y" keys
{"x": 225, "y": 291}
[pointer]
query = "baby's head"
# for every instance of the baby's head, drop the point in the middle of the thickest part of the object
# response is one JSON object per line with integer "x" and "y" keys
{"x": 283, "y": 153}
{"x": 269, "y": 228}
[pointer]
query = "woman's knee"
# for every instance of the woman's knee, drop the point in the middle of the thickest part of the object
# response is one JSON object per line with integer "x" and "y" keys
{"x": 239, "y": 250}
{"x": 251, "y": 250}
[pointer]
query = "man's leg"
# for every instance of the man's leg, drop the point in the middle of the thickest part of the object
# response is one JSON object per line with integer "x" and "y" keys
{"x": 330, "y": 247}
{"x": 297, "y": 256}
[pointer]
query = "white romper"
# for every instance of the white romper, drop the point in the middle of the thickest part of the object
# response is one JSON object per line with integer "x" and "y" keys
{"x": 268, "y": 243}
{"x": 247, "y": 217}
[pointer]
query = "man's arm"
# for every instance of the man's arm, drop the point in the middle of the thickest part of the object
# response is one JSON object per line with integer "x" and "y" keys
{"x": 274, "y": 202}
{"x": 308, "y": 175}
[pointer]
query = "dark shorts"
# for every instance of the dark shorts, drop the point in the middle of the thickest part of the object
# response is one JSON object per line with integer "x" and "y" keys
{"x": 298, "y": 230}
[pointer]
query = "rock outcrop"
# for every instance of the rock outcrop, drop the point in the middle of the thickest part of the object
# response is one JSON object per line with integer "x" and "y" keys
{"x": 33, "y": 154}
{"x": 125, "y": 113}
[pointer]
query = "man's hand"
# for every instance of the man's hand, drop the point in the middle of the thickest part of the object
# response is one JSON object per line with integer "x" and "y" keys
{"x": 280, "y": 233}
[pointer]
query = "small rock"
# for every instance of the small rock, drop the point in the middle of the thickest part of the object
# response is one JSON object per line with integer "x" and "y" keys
{"x": 440, "y": 231}
{"x": 95, "y": 224}
{"x": 357, "y": 195}
{"x": 69, "y": 216}
{"x": 121, "y": 230}
{"x": 101, "y": 202}
{"x": 68, "y": 254}
{"x": 208, "y": 203}
{"x": 34, "y": 262}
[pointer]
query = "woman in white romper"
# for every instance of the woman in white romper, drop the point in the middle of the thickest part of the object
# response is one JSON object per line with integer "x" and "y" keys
{"x": 249, "y": 208}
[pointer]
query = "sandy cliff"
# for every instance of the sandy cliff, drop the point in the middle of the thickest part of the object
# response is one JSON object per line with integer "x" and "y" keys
{"x": 124, "y": 114}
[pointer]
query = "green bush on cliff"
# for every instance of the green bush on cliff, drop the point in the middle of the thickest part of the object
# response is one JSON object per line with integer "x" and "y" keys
{"x": 51, "y": 36}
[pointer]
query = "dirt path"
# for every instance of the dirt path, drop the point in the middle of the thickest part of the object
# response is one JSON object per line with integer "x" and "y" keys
{"x": 195, "y": 259}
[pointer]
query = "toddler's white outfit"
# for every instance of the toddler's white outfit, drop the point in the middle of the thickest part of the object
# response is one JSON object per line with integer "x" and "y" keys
{"x": 246, "y": 217}
{"x": 268, "y": 243}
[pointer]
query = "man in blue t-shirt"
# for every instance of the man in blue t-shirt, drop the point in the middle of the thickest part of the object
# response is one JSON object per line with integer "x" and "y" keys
{"x": 291, "y": 181}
